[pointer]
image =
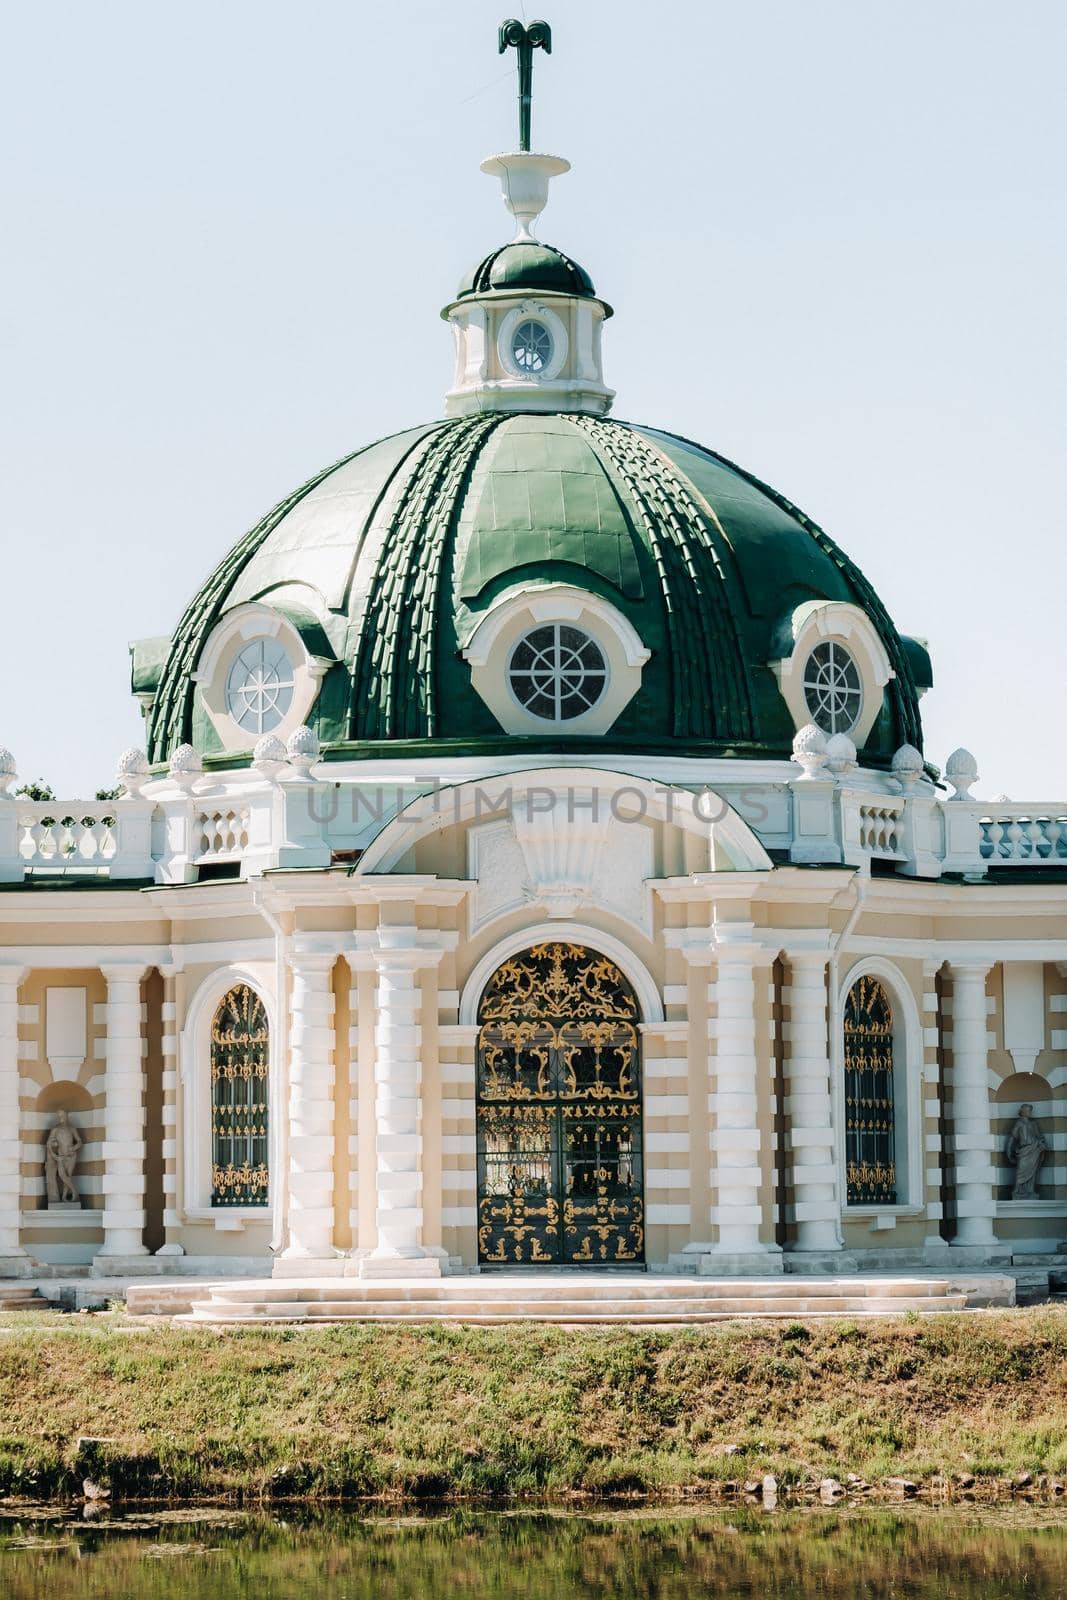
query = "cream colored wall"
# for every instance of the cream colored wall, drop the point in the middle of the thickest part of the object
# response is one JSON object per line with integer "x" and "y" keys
{"x": 678, "y": 1055}
{"x": 73, "y": 1240}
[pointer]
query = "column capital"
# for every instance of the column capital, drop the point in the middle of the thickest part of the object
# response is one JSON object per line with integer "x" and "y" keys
{"x": 737, "y": 944}
{"x": 808, "y": 958}
{"x": 314, "y": 960}
{"x": 124, "y": 971}
{"x": 12, "y": 974}
{"x": 975, "y": 970}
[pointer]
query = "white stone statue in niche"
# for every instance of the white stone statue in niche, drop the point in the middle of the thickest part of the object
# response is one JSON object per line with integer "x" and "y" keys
{"x": 60, "y": 1158}
{"x": 1027, "y": 1148}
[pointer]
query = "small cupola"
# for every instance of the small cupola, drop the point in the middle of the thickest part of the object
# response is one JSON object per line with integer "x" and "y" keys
{"x": 527, "y": 320}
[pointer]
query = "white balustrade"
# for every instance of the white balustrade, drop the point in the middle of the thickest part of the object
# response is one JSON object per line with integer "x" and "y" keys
{"x": 1023, "y": 835}
{"x": 220, "y": 832}
{"x": 880, "y": 828}
{"x": 108, "y": 837}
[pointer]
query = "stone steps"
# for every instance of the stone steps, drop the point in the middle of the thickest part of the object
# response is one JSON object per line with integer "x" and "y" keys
{"x": 575, "y": 1287}
{"x": 21, "y": 1297}
{"x": 583, "y": 1301}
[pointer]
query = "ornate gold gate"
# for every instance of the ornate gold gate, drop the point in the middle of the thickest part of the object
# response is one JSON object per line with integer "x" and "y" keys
{"x": 559, "y": 1112}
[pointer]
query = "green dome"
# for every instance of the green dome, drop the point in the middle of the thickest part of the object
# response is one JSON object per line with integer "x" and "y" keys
{"x": 540, "y": 268}
{"x": 386, "y": 562}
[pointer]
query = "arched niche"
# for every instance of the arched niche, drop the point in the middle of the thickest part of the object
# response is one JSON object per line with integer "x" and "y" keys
{"x": 65, "y": 1095}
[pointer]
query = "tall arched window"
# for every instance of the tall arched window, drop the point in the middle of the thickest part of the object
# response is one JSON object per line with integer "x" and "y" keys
{"x": 240, "y": 1049}
{"x": 870, "y": 1131}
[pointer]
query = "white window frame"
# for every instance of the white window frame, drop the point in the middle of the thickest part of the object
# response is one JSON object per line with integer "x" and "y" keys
{"x": 194, "y": 1057}
{"x": 908, "y": 1152}
{"x": 239, "y": 628}
{"x": 519, "y": 611}
{"x": 819, "y": 621}
{"x": 532, "y": 311}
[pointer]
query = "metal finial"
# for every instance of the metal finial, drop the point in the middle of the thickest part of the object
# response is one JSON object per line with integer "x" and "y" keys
{"x": 524, "y": 41}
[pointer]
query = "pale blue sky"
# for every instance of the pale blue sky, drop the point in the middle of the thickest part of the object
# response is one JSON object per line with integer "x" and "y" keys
{"x": 833, "y": 234}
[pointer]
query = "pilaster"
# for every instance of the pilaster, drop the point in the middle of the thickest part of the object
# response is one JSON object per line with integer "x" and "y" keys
{"x": 311, "y": 1108}
{"x": 400, "y": 1249}
{"x": 172, "y": 1219}
{"x": 14, "y": 1260}
{"x": 124, "y": 1118}
{"x": 972, "y": 1125}
{"x": 809, "y": 1138}
{"x": 737, "y": 1176}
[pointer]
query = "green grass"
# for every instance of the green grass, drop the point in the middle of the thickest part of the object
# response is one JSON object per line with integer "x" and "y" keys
{"x": 446, "y": 1411}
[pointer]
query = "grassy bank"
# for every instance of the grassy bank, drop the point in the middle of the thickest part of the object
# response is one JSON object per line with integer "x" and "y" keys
{"x": 440, "y": 1411}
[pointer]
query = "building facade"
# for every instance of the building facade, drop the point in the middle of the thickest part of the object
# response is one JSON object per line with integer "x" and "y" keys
{"x": 532, "y": 861}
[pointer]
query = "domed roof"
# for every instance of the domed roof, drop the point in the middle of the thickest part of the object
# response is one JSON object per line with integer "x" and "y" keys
{"x": 387, "y": 561}
{"x": 527, "y": 264}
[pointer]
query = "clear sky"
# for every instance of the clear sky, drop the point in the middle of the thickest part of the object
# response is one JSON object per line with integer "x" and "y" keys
{"x": 833, "y": 234}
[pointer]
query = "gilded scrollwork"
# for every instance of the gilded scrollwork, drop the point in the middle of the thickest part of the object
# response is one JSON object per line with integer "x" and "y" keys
{"x": 559, "y": 1111}
{"x": 240, "y": 1063}
{"x": 870, "y": 1134}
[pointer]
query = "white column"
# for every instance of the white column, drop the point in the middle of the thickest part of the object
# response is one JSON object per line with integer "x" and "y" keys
{"x": 311, "y": 1108}
{"x": 124, "y": 1116}
{"x": 13, "y": 1258}
{"x": 972, "y": 1132}
{"x": 736, "y": 1175}
{"x": 809, "y": 1106}
{"x": 398, "y": 1111}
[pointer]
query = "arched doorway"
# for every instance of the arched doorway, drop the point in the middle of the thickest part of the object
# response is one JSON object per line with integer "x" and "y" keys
{"x": 560, "y": 1173}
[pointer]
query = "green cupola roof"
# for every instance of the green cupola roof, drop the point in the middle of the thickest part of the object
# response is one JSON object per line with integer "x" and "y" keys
{"x": 387, "y": 562}
{"x": 529, "y": 266}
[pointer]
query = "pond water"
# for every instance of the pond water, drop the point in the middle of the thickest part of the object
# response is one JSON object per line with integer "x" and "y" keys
{"x": 961, "y": 1554}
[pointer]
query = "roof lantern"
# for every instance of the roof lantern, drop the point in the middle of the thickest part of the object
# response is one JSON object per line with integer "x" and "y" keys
{"x": 527, "y": 320}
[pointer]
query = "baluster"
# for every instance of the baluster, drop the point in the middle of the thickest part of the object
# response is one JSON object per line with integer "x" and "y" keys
{"x": 1015, "y": 836}
{"x": 995, "y": 834}
{"x": 1038, "y": 845}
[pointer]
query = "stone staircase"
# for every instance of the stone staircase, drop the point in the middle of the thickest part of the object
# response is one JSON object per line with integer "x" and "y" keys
{"x": 21, "y": 1296}
{"x": 581, "y": 1300}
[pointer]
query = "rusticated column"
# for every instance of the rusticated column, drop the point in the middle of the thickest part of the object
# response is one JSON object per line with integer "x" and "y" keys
{"x": 13, "y": 1258}
{"x": 124, "y": 1116}
{"x": 398, "y": 1107}
{"x": 971, "y": 1125}
{"x": 809, "y": 1106}
{"x": 734, "y": 1100}
{"x": 311, "y": 1107}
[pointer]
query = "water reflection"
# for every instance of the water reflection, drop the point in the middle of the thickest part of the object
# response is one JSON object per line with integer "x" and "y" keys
{"x": 883, "y": 1555}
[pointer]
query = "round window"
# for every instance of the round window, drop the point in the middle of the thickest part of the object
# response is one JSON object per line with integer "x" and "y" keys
{"x": 531, "y": 347}
{"x": 832, "y": 688}
{"x": 557, "y": 672}
{"x": 259, "y": 689}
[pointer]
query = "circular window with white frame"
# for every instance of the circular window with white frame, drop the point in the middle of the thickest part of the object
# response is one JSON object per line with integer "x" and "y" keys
{"x": 557, "y": 672}
{"x": 532, "y": 347}
{"x": 532, "y": 343}
{"x": 833, "y": 688}
{"x": 259, "y": 686}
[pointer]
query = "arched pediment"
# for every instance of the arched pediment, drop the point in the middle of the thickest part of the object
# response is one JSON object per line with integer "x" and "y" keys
{"x": 561, "y": 838}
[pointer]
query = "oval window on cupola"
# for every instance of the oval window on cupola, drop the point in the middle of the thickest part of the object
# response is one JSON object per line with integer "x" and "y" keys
{"x": 532, "y": 347}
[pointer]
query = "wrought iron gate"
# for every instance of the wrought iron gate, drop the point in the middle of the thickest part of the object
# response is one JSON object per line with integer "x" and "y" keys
{"x": 559, "y": 1112}
{"x": 870, "y": 1134}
